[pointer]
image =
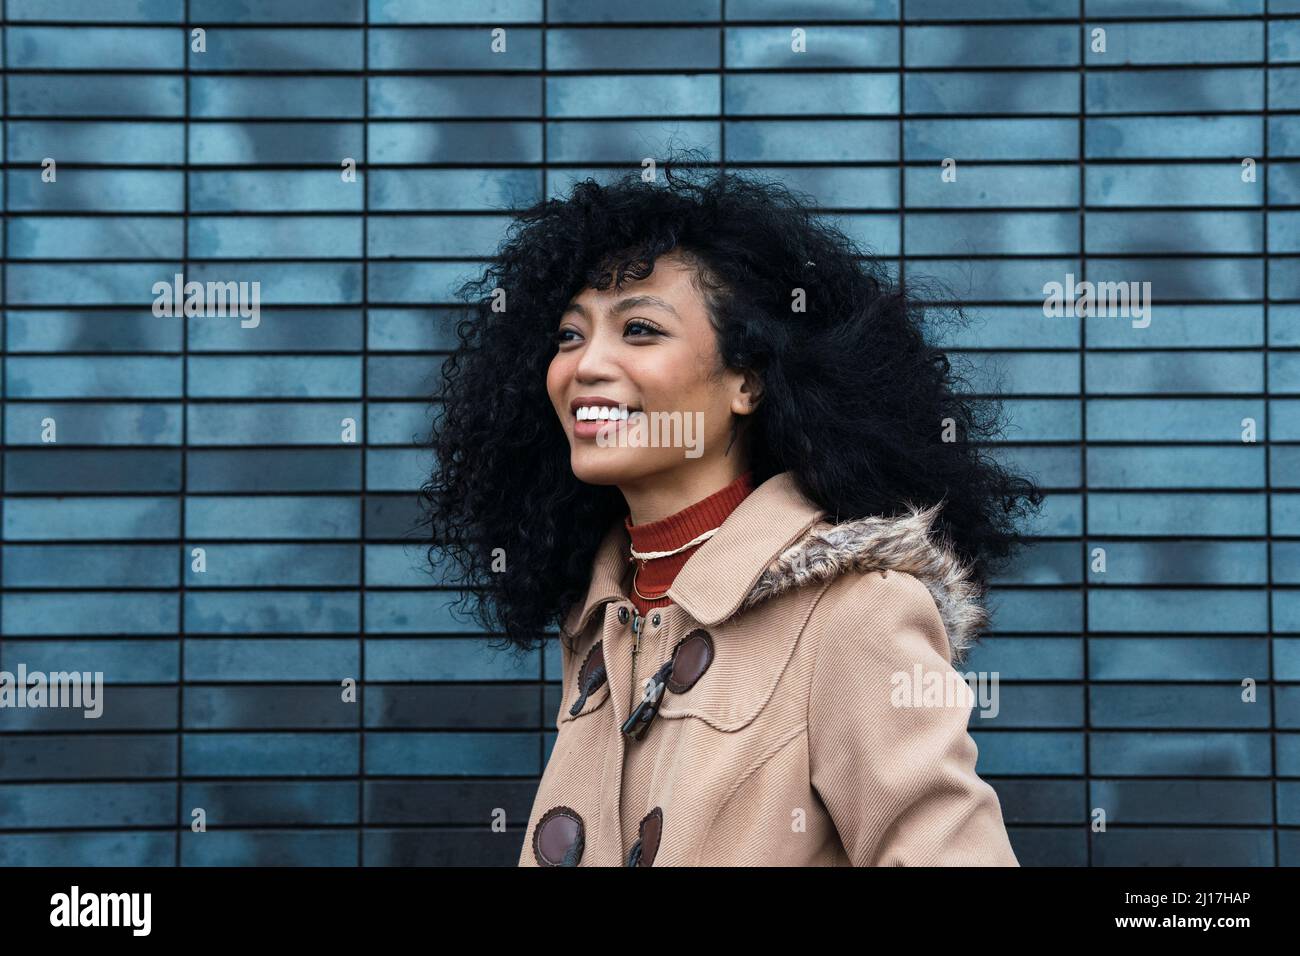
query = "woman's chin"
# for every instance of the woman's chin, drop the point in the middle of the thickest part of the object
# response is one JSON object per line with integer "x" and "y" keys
{"x": 593, "y": 465}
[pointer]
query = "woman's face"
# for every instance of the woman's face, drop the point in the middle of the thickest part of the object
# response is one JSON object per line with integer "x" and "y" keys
{"x": 650, "y": 348}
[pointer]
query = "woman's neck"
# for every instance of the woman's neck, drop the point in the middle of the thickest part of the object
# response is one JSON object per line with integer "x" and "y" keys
{"x": 658, "y": 496}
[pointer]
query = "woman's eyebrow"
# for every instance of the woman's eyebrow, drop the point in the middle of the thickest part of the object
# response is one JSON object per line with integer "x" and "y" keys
{"x": 641, "y": 301}
{"x": 625, "y": 305}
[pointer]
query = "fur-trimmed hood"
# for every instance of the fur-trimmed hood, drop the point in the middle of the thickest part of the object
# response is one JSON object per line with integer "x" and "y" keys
{"x": 906, "y": 543}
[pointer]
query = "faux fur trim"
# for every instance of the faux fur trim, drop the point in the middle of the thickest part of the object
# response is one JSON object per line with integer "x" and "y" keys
{"x": 905, "y": 543}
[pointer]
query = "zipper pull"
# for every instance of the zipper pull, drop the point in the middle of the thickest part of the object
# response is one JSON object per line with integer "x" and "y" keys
{"x": 638, "y": 722}
{"x": 637, "y": 623}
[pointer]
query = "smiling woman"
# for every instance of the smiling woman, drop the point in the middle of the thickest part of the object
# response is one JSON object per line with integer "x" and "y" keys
{"x": 733, "y": 622}
{"x": 656, "y": 347}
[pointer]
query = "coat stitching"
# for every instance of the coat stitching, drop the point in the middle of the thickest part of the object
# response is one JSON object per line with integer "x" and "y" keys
{"x": 746, "y": 719}
{"x": 759, "y": 765}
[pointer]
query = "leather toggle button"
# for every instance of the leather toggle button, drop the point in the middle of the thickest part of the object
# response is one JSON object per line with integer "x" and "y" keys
{"x": 691, "y": 658}
{"x": 558, "y": 838}
{"x": 647, "y": 845}
{"x": 590, "y": 676}
{"x": 693, "y": 654}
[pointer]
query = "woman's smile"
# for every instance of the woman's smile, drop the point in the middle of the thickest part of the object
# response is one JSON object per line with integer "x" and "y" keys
{"x": 591, "y": 413}
{"x": 590, "y": 428}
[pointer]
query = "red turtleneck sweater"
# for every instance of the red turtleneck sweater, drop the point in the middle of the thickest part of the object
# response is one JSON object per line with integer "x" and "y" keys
{"x": 673, "y": 532}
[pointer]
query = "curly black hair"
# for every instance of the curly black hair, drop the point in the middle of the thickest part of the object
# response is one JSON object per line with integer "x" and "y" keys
{"x": 867, "y": 414}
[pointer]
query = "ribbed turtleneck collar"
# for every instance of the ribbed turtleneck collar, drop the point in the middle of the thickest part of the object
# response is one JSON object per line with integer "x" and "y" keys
{"x": 673, "y": 532}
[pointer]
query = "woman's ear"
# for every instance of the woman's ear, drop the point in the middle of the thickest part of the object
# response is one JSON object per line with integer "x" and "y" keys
{"x": 748, "y": 394}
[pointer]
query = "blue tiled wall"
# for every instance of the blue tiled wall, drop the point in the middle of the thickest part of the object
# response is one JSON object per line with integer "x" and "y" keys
{"x": 1121, "y": 690}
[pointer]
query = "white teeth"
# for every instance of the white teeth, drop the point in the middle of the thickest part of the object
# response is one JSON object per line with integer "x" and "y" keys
{"x": 591, "y": 413}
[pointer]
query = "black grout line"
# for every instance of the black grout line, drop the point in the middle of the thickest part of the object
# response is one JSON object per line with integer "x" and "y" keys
{"x": 4, "y": 287}
{"x": 902, "y": 145}
{"x": 1084, "y": 530}
{"x": 184, "y": 462}
{"x": 363, "y": 179}
{"x": 433, "y": 26}
{"x": 1268, "y": 468}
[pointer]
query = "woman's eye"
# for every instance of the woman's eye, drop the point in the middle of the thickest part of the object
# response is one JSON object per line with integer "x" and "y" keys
{"x": 635, "y": 329}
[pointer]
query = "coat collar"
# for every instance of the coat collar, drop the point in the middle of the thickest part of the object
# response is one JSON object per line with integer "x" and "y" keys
{"x": 777, "y": 539}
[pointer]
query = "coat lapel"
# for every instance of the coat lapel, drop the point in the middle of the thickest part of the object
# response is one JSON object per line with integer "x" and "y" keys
{"x": 711, "y": 586}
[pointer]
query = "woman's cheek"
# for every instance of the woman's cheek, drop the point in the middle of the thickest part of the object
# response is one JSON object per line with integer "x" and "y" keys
{"x": 555, "y": 382}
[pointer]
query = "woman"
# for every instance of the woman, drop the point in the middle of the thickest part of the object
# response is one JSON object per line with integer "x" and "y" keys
{"x": 689, "y": 427}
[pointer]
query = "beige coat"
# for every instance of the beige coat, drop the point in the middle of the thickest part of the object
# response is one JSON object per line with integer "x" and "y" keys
{"x": 778, "y": 738}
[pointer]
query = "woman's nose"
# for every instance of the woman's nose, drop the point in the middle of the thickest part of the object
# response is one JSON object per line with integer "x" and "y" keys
{"x": 597, "y": 360}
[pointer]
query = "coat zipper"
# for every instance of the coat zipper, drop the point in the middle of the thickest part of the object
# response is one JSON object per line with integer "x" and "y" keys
{"x": 638, "y": 623}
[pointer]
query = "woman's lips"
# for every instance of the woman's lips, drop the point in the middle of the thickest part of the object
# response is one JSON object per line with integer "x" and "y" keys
{"x": 590, "y": 429}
